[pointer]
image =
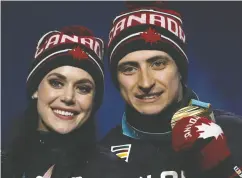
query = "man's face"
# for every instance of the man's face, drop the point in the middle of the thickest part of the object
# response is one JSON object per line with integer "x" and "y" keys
{"x": 149, "y": 80}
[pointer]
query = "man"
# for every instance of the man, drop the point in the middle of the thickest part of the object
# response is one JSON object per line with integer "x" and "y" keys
{"x": 166, "y": 131}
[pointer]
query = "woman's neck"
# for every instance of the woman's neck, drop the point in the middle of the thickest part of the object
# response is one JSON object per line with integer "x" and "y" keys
{"x": 81, "y": 137}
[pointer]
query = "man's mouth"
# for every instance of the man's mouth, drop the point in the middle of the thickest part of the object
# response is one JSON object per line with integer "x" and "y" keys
{"x": 150, "y": 96}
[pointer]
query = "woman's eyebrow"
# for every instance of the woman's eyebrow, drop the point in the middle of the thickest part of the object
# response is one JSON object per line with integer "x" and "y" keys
{"x": 82, "y": 81}
{"x": 57, "y": 75}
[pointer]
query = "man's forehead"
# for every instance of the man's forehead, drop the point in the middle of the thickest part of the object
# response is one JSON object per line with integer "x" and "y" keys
{"x": 144, "y": 56}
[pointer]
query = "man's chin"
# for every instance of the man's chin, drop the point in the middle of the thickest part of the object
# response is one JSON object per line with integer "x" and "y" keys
{"x": 149, "y": 110}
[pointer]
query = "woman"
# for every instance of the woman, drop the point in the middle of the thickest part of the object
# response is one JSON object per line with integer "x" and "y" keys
{"x": 65, "y": 86}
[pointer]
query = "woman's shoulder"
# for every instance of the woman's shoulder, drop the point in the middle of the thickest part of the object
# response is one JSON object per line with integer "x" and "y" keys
{"x": 7, "y": 169}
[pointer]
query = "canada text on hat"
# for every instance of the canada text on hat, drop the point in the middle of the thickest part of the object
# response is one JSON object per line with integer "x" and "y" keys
{"x": 167, "y": 19}
{"x": 58, "y": 38}
{"x": 95, "y": 48}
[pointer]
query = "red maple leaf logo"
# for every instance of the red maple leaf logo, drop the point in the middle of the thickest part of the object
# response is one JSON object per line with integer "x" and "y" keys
{"x": 78, "y": 53}
{"x": 150, "y": 36}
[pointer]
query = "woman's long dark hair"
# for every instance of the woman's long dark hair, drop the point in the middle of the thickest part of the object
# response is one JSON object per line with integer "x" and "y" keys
{"x": 24, "y": 132}
{"x": 24, "y": 135}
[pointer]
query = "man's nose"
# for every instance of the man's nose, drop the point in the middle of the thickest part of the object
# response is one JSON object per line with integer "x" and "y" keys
{"x": 146, "y": 81}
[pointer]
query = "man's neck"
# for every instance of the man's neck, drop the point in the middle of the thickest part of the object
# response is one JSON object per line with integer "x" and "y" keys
{"x": 158, "y": 123}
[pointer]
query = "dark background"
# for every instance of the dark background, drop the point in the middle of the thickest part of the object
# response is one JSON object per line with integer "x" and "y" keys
{"x": 214, "y": 34}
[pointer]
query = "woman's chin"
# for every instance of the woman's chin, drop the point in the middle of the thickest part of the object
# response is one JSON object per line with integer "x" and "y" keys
{"x": 63, "y": 130}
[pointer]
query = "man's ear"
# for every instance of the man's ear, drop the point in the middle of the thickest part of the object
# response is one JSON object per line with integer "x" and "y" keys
{"x": 35, "y": 95}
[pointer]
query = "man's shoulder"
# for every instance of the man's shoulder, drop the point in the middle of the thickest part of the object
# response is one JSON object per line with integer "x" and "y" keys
{"x": 104, "y": 163}
{"x": 231, "y": 125}
{"x": 227, "y": 119}
{"x": 114, "y": 133}
{"x": 229, "y": 122}
{"x": 115, "y": 137}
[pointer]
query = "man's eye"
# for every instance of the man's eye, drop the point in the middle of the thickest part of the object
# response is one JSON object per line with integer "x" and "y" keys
{"x": 84, "y": 89}
{"x": 157, "y": 65}
{"x": 128, "y": 70}
{"x": 55, "y": 83}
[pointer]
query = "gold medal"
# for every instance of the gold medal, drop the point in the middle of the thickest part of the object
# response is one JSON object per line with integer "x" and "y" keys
{"x": 195, "y": 108}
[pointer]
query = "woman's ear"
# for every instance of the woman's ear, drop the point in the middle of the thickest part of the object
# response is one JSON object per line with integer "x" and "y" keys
{"x": 35, "y": 95}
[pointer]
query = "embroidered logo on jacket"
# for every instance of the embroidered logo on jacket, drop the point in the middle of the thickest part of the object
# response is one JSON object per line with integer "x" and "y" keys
{"x": 238, "y": 171}
{"x": 122, "y": 151}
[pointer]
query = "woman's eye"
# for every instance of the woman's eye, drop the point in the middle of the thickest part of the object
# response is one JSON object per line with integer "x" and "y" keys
{"x": 56, "y": 83}
{"x": 84, "y": 89}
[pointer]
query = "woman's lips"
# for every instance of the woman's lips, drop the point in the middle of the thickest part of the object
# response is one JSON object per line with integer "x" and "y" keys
{"x": 64, "y": 114}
